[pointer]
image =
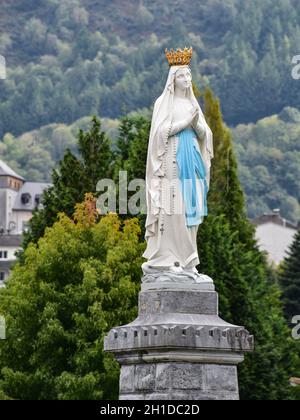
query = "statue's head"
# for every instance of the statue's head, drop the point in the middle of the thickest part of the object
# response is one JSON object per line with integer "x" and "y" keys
{"x": 180, "y": 73}
{"x": 179, "y": 61}
{"x": 183, "y": 78}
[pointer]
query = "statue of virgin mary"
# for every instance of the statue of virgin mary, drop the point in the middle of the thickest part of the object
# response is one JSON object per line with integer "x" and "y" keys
{"x": 177, "y": 177}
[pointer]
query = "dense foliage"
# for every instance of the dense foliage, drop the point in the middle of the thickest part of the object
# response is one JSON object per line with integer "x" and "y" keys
{"x": 290, "y": 280}
{"x": 80, "y": 280}
{"x": 72, "y": 58}
{"x": 74, "y": 177}
{"x": 269, "y": 163}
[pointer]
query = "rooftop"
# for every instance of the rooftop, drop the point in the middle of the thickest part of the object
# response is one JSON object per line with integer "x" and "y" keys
{"x": 5, "y": 170}
{"x": 27, "y": 195}
{"x": 275, "y": 218}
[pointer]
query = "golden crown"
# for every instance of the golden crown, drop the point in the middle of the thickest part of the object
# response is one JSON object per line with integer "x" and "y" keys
{"x": 179, "y": 57}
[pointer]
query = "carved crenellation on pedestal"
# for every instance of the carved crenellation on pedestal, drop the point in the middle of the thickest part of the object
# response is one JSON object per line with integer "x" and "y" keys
{"x": 191, "y": 336}
{"x": 181, "y": 319}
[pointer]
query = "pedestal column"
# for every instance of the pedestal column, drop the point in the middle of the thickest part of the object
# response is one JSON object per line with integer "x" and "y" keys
{"x": 179, "y": 348}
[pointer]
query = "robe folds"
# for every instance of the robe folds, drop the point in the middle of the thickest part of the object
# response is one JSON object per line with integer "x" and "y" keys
{"x": 175, "y": 209}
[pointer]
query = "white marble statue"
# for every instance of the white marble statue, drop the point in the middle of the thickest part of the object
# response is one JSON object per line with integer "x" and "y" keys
{"x": 177, "y": 177}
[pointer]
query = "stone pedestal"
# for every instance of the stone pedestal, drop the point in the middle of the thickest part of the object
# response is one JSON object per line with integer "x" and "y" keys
{"x": 179, "y": 348}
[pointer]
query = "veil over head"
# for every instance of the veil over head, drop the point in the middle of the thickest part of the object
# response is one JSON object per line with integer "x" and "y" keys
{"x": 160, "y": 130}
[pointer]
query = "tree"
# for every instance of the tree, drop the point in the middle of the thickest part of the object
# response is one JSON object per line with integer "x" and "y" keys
{"x": 226, "y": 194}
{"x": 229, "y": 254}
{"x": 75, "y": 177}
{"x": 132, "y": 154}
{"x": 133, "y": 146}
{"x": 80, "y": 280}
{"x": 289, "y": 280}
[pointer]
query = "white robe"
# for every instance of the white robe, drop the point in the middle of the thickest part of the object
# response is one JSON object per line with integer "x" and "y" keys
{"x": 169, "y": 241}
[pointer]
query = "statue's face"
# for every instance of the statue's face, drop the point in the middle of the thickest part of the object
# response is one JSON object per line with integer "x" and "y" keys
{"x": 183, "y": 79}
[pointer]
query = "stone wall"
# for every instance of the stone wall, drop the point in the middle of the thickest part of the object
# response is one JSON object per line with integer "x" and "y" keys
{"x": 179, "y": 381}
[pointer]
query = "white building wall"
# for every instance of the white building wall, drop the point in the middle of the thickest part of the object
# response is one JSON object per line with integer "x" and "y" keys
{"x": 10, "y": 252}
{"x": 3, "y": 207}
{"x": 275, "y": 239}
{"x": 7, "y": 198}
{"x": 21, "y": 218}
{"x": 11, "y": 196}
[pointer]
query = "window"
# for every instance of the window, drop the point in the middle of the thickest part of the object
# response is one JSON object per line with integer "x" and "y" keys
{"x": 2, "y": 276}
{"x": 3, "y": 254}
{"x": 37, "y": 199}
{"x": 26, "y": 198}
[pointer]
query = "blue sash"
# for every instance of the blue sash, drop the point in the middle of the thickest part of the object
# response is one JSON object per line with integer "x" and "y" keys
{"x": 191, "y": 171}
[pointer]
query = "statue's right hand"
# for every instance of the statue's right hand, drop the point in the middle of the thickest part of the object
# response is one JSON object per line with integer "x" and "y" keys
{"x": 194, "y": 115}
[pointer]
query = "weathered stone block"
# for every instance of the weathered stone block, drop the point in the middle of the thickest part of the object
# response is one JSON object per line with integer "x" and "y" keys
{"x": 144, "y": 378}
{"x": 127, "y": 378}
{"x": 172, "y": 301}
{"x": 163, "y": 376}
{"x": 221, "y": 378}
{"x": 187, "y": 376}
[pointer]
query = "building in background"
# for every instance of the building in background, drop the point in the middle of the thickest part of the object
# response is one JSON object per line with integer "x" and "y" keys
{"x": 18, "y": 199}
{"x": 275, "y": 235}
{"x": 9, "y": 244}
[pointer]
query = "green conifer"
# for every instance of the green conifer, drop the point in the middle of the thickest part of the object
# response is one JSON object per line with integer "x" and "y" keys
{"x": 74, "y": 177}
{"x": 289, "y": 279}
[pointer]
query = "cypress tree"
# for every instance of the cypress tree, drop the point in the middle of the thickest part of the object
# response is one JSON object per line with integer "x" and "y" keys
{"x": 226, "y": 194}
{"x": 289, "y": 279}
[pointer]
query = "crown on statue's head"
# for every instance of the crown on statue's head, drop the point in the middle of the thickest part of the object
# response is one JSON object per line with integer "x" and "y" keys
{"x": 179, "y": 57}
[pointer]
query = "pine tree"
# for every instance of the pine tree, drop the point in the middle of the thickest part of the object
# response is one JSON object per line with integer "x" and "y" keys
{"x": 289, "y": 280}
{"x": 74, "y": 177}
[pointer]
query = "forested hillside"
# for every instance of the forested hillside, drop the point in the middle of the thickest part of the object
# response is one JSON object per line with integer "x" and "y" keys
{"x": 269, "y": 163}
{"x": 70, "y": 58}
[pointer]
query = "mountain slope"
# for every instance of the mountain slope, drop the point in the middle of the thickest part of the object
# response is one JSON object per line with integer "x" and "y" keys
{"x": 269, "y": 158}
{"x": 71, "y": 58}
